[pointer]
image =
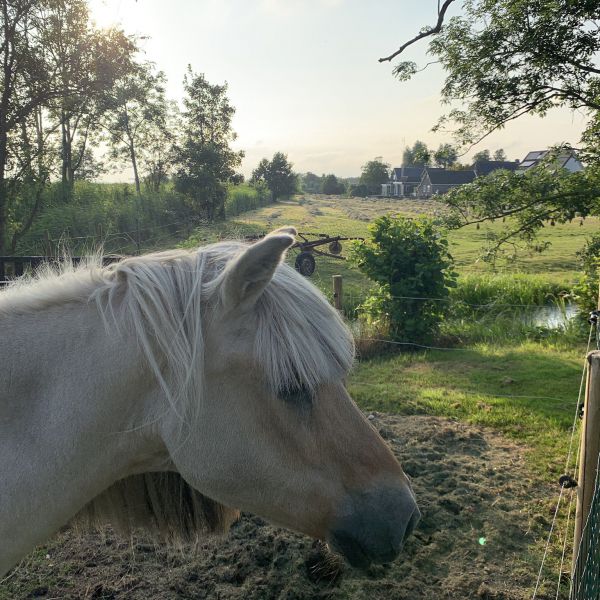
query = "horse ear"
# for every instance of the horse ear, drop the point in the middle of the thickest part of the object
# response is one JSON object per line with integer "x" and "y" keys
{"x": 246, "y": 276}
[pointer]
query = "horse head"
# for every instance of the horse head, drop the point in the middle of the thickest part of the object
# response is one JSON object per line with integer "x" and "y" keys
{"x": 274, "y": 430}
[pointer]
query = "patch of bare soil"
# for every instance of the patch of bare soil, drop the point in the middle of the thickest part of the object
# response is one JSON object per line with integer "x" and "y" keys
{"x": 474, "y": 540}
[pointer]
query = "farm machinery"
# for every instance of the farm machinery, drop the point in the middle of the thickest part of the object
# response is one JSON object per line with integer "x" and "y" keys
{"x": 312, "y": 244}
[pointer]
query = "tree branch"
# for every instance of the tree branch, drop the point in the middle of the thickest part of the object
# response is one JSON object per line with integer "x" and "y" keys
{"x": 513, "y": 211}
{"x": 431, "y": 31}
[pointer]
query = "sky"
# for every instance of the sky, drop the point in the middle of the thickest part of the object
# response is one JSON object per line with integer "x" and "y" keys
{"x": 304, "y": 78}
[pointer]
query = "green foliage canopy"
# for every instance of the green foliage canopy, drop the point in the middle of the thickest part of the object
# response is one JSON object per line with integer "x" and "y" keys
{"x": 204, "y": 158}
{"x": 373, "y": 174}
{"x": 331, "y": 185}
{"x": 445, "y": 156}
{"x": 277, "y": 174}
{"x": 418, "y": 154}
{"x": 508, "y": 58}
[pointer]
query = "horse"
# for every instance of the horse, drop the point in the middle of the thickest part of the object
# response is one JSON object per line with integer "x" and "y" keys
{"x": 169, "y": 391}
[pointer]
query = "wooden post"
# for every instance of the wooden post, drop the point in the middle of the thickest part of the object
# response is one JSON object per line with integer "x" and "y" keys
{"x": 338, "y": 292}
{"x": 47, "y": 244}
{"x": 588, "y": 462}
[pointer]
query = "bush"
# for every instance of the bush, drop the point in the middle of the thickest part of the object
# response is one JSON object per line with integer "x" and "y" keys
{"x": 359, "y": 190}
{"x": 112, "y": 215}
{"x": 410, "y": 264}
{"x": 244, "y": 197}
{"x": 586, "y": 290}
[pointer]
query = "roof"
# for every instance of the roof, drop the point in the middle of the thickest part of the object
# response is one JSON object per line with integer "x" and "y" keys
{"x": 485, "y": 167}
{"x": 447, "y": 177}
{"x": 533, "y": 159}
{"x": 408, "y": 174}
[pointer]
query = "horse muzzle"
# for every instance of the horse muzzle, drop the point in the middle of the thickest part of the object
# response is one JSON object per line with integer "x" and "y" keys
{"x": 371, "y": 526}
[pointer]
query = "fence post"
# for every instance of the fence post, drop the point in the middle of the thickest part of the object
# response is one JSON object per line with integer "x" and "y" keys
{"x": 590, "y": 448}
{"x": 338, "y": 292}
{"x": 47, "y": 244}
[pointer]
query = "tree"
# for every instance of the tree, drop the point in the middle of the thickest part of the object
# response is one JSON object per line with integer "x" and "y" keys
{"x": 500, "y": 155}
{"x": 86, "y": 64}
{"x": 511, "y": 58}
{"x": 277, "y": 174}
{"x": 90, "y": 168}
{"x": 482, "y": 156}
{"x": 445, "y": 156}
{"x": 204, "y": 159}
{"x": 374, "y": 174}
{"x": 25, "y": 88}
{"x": 419, "y": 154}
{"x": 332, "y": 186}
{"x": 137, "y": 117}
{"x": 504, "y": 60}
{"x": 311, "y": 183}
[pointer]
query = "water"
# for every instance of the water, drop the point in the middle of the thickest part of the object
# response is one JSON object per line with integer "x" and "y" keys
{"x": 553, "y": 317}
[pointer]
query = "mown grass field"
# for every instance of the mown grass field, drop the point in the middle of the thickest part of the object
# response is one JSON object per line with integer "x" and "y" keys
{"x": 351, "y": 217}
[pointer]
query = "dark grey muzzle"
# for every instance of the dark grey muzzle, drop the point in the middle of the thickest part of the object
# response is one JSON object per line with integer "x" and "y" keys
{"x": 372, "y": 525}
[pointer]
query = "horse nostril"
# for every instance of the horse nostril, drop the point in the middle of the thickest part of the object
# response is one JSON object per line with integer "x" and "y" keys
{"x": 374, "y": 524}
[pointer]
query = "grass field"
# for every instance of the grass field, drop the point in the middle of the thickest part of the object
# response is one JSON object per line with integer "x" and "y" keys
{"x": 351, "y": 217}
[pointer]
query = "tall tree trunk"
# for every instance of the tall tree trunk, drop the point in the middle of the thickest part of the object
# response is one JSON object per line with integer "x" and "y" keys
{"x": 67, "y": 171}
{"x": 3, "y": 185}
{"x": 64, "y": 148}
{"x": 135, "y": 169}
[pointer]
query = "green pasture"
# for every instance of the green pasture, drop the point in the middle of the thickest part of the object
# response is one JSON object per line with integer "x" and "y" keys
{"x": 351, "y": 217}
{"x": 526, "y": 390}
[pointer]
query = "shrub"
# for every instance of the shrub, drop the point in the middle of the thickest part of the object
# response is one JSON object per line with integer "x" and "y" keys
{"x": 586, "y": 290}
{"x": 112, "y": 215}
{"x": 359, "y": 190}
{"x": 409, "y": 262}
{"x": 244, "y": 197}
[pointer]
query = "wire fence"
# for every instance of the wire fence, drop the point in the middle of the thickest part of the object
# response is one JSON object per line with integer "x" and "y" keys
{"x": 586, "y": 579}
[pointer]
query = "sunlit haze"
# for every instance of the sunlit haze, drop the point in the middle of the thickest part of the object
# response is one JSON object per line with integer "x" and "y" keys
{"x": 304, "y": 77}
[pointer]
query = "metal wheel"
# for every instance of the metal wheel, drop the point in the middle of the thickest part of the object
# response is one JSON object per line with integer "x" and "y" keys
{"x": 305, "y": 264}
{"x": 335, "y": 247}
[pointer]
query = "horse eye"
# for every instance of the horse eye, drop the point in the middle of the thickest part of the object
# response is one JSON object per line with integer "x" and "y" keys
{"x": 299, "y": 396}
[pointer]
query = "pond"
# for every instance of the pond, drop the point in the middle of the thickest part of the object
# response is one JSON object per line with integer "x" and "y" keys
{"x": 552, "y": 317}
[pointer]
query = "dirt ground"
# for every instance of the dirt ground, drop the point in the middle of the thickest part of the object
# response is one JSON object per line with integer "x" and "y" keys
{"x": 475, "y": 539}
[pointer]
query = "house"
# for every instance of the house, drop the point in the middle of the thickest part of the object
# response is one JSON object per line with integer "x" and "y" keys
{"x": 423, "y": 182}
{"x": 403, "y": 181}
{"x": 485, "y": 167}
{"x": 567, "y": 159}
{"x": 439, "y": 181}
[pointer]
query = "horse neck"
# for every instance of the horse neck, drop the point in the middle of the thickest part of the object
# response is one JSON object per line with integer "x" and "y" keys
{"x": 72, "y": 402}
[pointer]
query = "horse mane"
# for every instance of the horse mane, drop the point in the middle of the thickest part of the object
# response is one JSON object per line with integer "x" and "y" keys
{"x": 161, "y": 298}
{"x": 162, "y": 505}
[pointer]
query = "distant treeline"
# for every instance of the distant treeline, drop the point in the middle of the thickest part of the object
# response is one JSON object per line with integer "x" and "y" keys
{"x": 327, "y": 184}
